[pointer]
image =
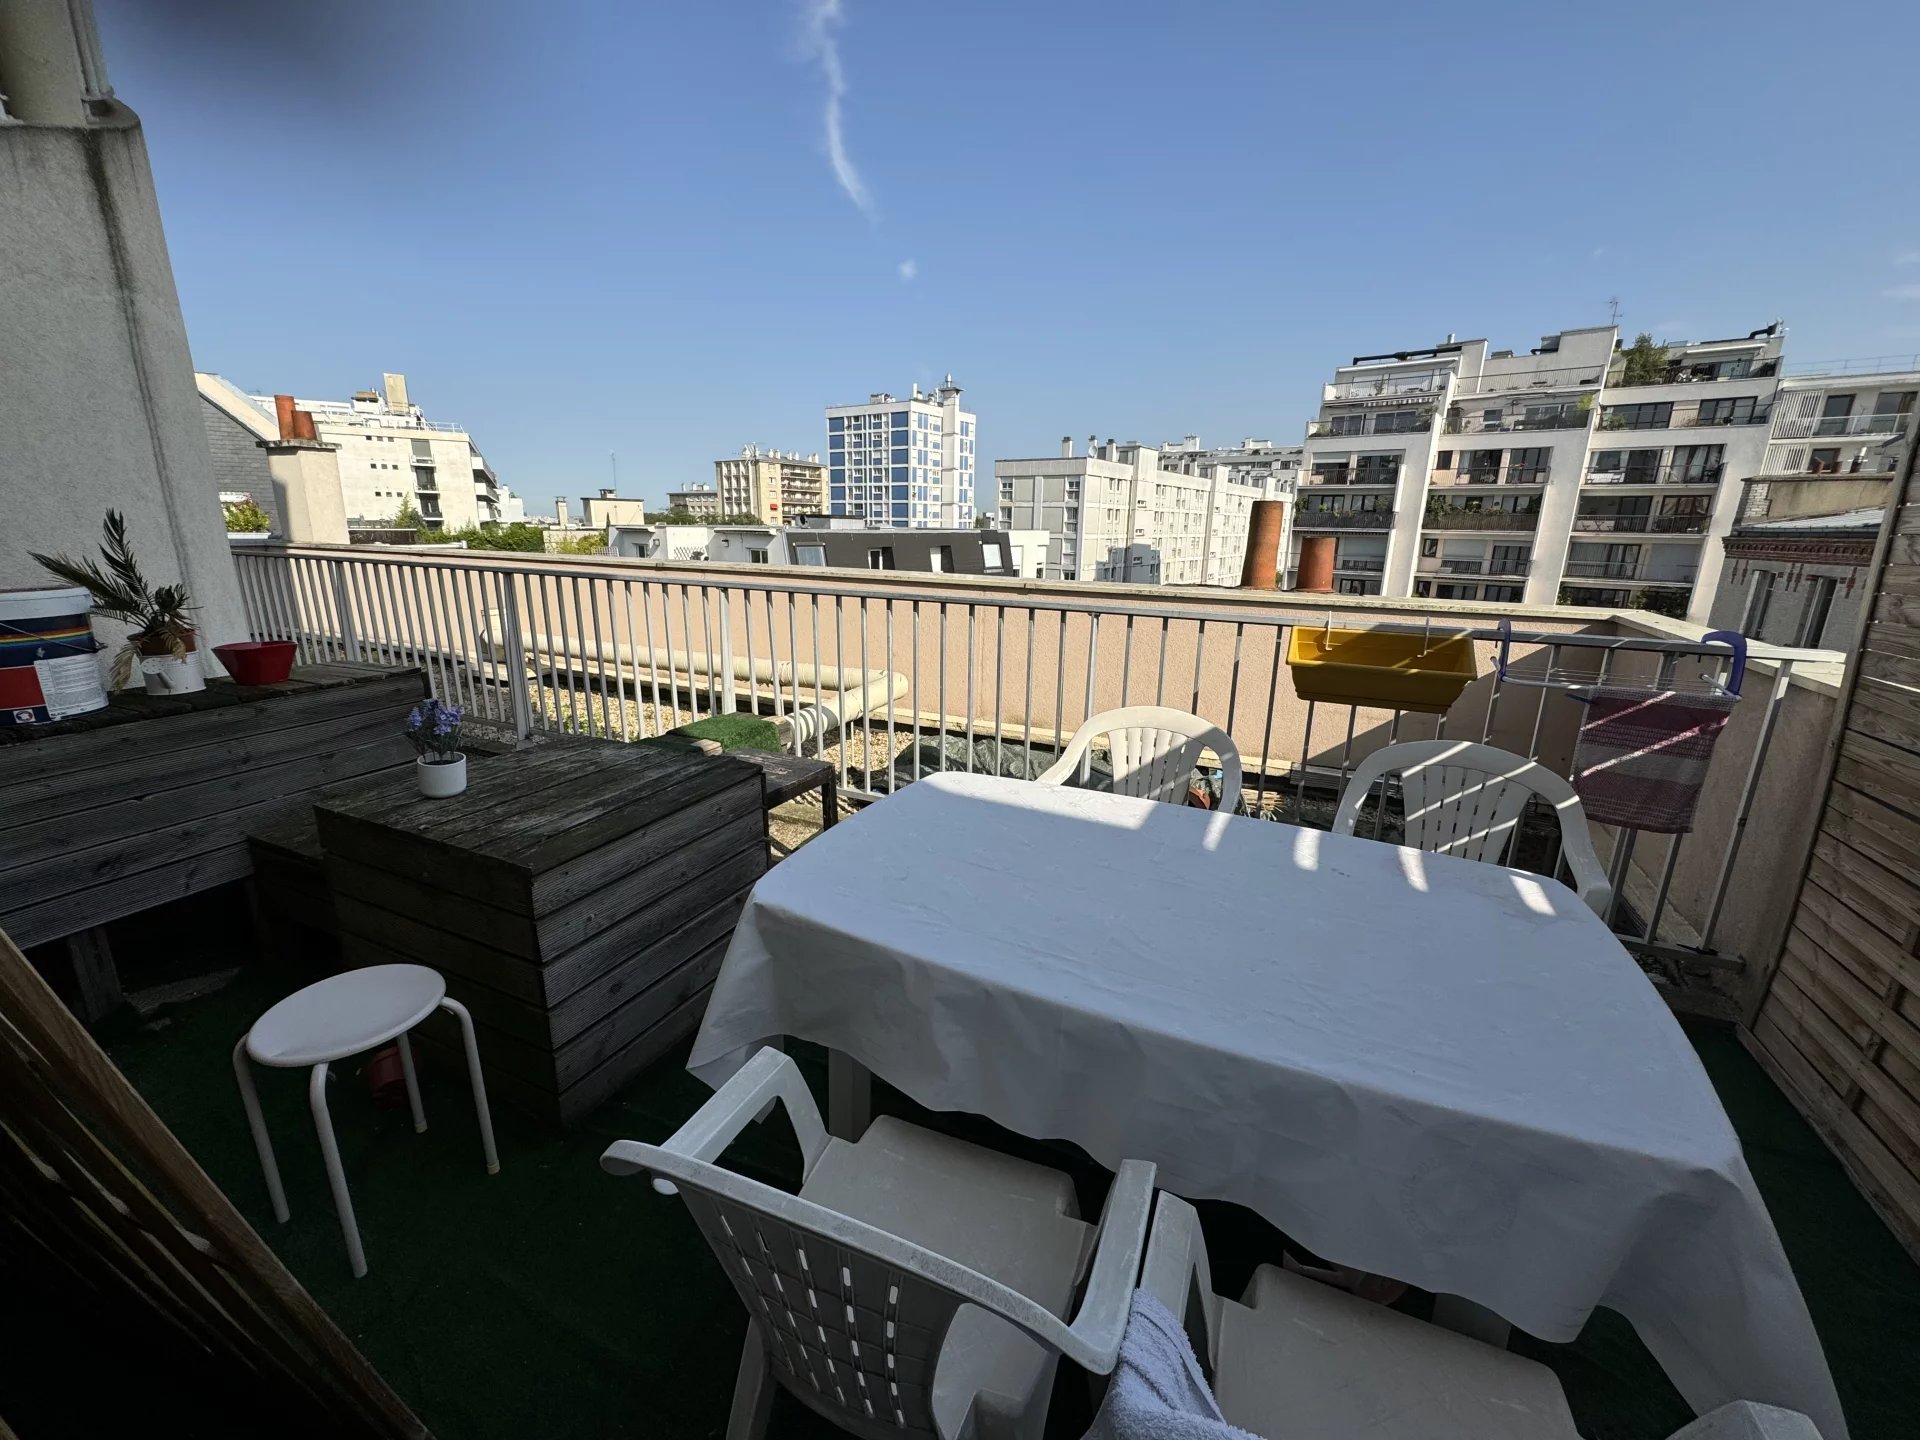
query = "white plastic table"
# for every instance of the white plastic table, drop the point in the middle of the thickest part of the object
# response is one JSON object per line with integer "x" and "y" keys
{"x": 340, "y": 1016}
{"x": 1442, "y": 1071}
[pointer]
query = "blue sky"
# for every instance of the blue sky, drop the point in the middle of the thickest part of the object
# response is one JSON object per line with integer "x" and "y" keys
{"x": 583, "y": 228}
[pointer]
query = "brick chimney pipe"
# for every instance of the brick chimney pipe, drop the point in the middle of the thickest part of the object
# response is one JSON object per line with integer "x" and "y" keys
{"x": 303, "y": 426}
{"x": 1316, "y": 565}
{"x": 283, "y": 411}
{"x": 1261, "y": 568}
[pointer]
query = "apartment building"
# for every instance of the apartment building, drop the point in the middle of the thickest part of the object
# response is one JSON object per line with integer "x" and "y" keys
{"x": 902, "y": 462}
{"x": 1808, "y": 521}
{"x": 774, "y": 485}
{"x": 390, "y": 455}
{"x": 1132, "y": 514}
{"x": 700, "y": 501}
{"x": 1580, "y": 472}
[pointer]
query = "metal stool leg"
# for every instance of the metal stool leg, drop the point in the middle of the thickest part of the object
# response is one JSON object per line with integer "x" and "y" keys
{"x": 336, "y": 1177}
{"x": 459, "y": 1012}
{"x": 257, "y": 1123}
{"x": 413, "y": 1087}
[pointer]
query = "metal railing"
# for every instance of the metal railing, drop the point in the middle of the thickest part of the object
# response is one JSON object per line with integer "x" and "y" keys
{"x": 1451, "y": 517}
{"x": 1658, "y": 475}
{"x": 892, "y": 679}
{"x": 1351, "y": 477}
{"x": 1821, "y": 427}
{"x": 1510, "y": 475}
{"x": 1546, "y": 379}
{"x": 1387, "y": 387}
{"x": 1708, "y": 415}
{"x": 1306, "y": 519}
{"x": 1644, "y": 524}
{"x": 1857, "y": 365}
{"x": 1516, "y": 424}
{"x": 1368, "y": 424}
{"x": 1684, "y": 372}
{"x": 1360, "y": 564}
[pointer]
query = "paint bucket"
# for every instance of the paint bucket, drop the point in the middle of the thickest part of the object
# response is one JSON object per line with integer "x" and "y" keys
{"x": 47, "y": 665}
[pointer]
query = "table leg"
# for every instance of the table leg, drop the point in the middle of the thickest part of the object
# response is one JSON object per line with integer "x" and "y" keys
{"x": 849, "y": 1096}
{"x": 256, "y": 1122}
{"x": 829, "y": 801}
{"x": 1456, "y": 1313}
{"x": 95, "y": 978}
{"x": 485, "y": 1117}
{"x": 336, "y": 1176}
{"x": 413, "y": 1087}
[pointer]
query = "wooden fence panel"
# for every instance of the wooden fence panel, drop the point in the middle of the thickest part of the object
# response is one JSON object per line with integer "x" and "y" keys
{"x": 1837, "y": 1021}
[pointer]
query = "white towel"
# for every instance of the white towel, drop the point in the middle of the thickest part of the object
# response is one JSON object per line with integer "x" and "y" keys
{"x": 1158, "y": 1391}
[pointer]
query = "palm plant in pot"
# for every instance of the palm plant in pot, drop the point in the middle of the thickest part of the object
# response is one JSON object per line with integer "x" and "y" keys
{"x": 163, "y": 640}
{"x": 433, "y": 729}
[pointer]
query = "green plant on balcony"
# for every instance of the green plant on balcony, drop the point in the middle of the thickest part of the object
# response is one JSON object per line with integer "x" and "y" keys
{"x": 155, "y": 614}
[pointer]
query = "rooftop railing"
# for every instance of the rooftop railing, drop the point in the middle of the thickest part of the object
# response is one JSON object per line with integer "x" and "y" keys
{"x": 1387, "y": 387}
{"x": 1344, "y": 476}
{"x": 891, "y": 677}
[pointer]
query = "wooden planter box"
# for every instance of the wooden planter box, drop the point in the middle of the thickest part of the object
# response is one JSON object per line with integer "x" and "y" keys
{"x": 578, "y": 897}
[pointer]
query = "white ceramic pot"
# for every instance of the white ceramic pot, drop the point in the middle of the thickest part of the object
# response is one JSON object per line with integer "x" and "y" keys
{"x": 172, "y": 674}
{"x": 442, "y": 778}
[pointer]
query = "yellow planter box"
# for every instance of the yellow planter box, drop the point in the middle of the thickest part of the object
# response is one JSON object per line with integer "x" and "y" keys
{"x": 1379, "y": 668}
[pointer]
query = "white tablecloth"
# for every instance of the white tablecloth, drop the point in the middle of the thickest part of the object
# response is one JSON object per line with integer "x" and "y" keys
{"x": 1446, "y": 1072}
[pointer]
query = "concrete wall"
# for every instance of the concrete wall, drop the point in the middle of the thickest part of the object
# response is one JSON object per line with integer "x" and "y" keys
{"x": 97, "y": 402}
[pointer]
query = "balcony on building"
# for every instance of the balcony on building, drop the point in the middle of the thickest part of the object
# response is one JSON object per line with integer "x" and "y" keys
{"x": 1380, "y": 471}
{"x": 1674, "y": 415}
{"x": 1644, "y": 514}
{"x": 1371, "y": 422}
{"x": 1523, "y": 466}
{"x": 1482, "y": 512}
{"x": 1628, "y": 469}
{"x": 1336, "y": 513}
{"x": 1513, "y": 417}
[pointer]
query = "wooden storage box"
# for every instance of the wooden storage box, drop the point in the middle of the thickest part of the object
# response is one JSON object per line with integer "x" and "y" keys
{"x": 578, "y": 897}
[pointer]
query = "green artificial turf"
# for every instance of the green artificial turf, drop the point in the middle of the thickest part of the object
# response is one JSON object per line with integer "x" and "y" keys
{"x": 553, "y": 1300}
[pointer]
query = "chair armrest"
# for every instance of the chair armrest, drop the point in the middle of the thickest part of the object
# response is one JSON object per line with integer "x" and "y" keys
{"x": 1583, "y": 862}
{"x": 769, "y": 1076}
{"x": 1101, "y": 1318}
{"x": 1176, "y": 1274}
{"x": 1061, "y": 771}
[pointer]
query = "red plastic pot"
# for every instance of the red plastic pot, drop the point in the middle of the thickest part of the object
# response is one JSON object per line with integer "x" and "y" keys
{"x": 257, "y": 662}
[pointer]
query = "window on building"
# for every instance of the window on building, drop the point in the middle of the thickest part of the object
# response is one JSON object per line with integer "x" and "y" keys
{"x": 1350, "y": 585}
{"x": 1347, "y": 425}
{"x": 940, "y": 559}
{"x": 1696, "y": 464}
{"x": 1890, "y": 407}
{"x": 1655, "y": 415}
{"x": 1813, "y": 623}
{"x": 809, "y": 554}
{"x": 1739, "y": 410}
{"x": 1527, "y": 467}
{"x": 1429, "y": 547}
{"x": 1396, "y": 422}
{"x": 1834, "y": 415}
{"x": 880, "y": 558}
{"x": 757, "y": 554}
{"x": 1423, "y": 589}
{"x": 993, "y": 555}
{"x": 1503, "y": 594}
{"x": 1759, "y": 601}
{"x": 1443, "y": 461}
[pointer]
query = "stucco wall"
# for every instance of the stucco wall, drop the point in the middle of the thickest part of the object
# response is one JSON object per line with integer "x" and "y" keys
{"x": 97, "y": 402}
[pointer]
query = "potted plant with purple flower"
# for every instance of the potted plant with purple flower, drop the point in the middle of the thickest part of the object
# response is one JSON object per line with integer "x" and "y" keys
{"x": 433, "y": 729}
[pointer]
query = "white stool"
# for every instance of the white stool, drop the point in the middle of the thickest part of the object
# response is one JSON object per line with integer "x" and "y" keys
{"x": 341, "y": 1016}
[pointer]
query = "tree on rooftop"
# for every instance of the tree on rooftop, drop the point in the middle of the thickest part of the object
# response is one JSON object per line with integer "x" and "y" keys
{"x": 1646, "y": 362}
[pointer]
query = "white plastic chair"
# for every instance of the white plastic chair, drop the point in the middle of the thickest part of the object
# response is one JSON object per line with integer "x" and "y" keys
{"x": 1296, "y": 1357}
{"x": 915, "y": 1286}
{"x": 1464, "y": 799}
{"x": 1154, "y": 750}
